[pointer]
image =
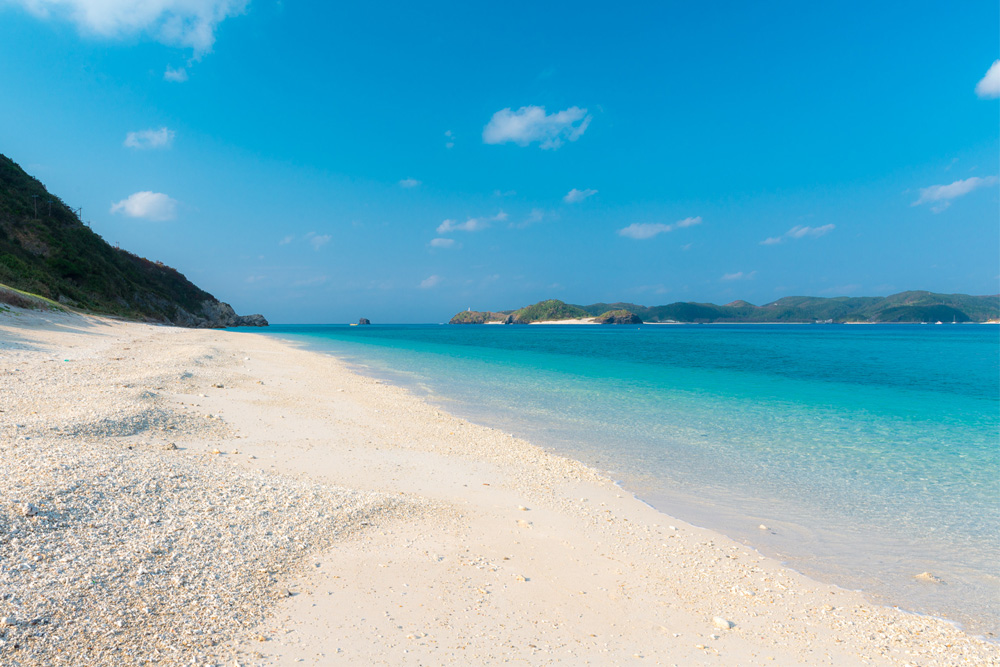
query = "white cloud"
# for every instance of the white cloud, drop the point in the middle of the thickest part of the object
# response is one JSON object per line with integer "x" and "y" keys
{"x": 442, "y": 243}
{"x": 143, "y": 139}
{"x": 574, "y": 195}
{"x": 531, "y": 124}
{"x": 148, "y": 205}
{"x": 989, "y": 86}
{"x": 470, "y": 225}
{"x": 688, "y": 222}
{"x": 799, "y": 232}
{"x": 450, "y": 139}
{"x": 536, "y": 216}
{"x": 178, "y": 75}
{"x": 409, "y": 183}
{"x": 430, "y": 281}
{"x": 317, "y": 241}
{"x": 647, "y": 230}
{"x": 943, "y": 194}
{"x": 285, "y": 241}
{"x": 184, "y": 23}
{"x": 739, "y": 275}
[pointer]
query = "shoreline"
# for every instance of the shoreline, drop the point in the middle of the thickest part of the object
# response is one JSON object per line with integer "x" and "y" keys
{"x": 457, "y": 541}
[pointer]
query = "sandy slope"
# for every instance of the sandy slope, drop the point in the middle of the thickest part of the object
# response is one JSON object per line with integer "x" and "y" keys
{"x": 393, "y": 533}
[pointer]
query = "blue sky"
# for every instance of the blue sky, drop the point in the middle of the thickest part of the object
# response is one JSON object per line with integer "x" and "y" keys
{"x": 319, "y": 163}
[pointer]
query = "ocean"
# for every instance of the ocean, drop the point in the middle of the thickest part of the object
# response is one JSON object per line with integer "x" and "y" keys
{"x": 871, "y": 453}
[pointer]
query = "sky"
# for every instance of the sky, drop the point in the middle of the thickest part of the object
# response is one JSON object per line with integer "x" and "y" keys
{"x": 322, "y": 162}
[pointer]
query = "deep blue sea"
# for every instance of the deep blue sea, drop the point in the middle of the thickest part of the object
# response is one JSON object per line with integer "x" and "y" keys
{"x": 870, "y": 452}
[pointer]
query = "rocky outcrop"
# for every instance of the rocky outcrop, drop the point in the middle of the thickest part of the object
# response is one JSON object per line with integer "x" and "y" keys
{"x": 364, "y": 320}
{"x": 477, "y": 317}
{"x": 619, "y": 317}
{"x": 215, "y": 315}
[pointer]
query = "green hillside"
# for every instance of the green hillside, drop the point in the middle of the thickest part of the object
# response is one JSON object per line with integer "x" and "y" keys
{"x": 544, "y": 311}
{"x": 913, "y": 306}
{"x": 53, "y": 254}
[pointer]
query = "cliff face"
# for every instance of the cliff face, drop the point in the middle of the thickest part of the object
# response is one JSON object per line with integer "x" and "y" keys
{"x": 619, "y": 317}
{"x": 45, "y": 249}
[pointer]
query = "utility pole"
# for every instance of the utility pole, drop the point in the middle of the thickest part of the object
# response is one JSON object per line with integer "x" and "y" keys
{"x": 34, "y": 201}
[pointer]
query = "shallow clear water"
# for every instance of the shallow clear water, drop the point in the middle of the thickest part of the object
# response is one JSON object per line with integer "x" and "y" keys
{"x": 872, "y": 453}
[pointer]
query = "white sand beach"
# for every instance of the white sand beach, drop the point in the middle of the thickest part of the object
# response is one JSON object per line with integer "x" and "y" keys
{"x": 175, "y": 496}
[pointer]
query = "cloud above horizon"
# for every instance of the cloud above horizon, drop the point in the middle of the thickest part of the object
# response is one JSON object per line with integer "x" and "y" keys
{"x": 409, "y": 183}
{"x": 989, "y": 86}
{"x": 147, "y": 205}
{"x": 531, "y": 124}
{"x": 178, "y": 75}
{"x": 470, "y": 225}
{"x": 430, "y": 281}
{"x": 442, "y": 243}
{"x": 574, "y": 195}
{"x": 184, "y": 23}
{"x": 146, "y": 139}
{"x": 799, "y": 232}
{"x": 317, "y": 241}
{"x": 942, "y": 195}
{"x": 739, "y": 275}
{"x": 647, "y": 230}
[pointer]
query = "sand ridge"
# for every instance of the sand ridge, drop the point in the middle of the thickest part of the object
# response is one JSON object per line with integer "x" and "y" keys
{"x": 391, "y": 532}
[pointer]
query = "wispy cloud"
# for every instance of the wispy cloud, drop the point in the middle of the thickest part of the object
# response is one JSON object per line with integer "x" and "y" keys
{"x": 317, "y": 241}
{"x": 799, "y": 232}
{"x": 147, "y": 205}
{"x": 430, "y": 281}
{"x": 183, "y": 23}
{"x": 533, "y": 218}
{"x": 531, "y": 124}
{"x": 739, "y": 275}
{"x": 940, "y": 196}
{"x": 178, "y": 75}
{"x": 449, "y": 139}
{"x": 285, "y": 241}
{"x": 145, "y": 139}
{"x": 989, "y": 86}
{"x": 647, "y": 230}
{"x": 574, "y": 195}
{"x": 470, "y": 225}
{"x": 409, "y": 183}
{"x": 442, "y": 243}
{"x": 308, "y": 282}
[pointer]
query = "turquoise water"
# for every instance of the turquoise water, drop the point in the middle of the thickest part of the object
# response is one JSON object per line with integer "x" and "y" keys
{"x": 871, "y": 453}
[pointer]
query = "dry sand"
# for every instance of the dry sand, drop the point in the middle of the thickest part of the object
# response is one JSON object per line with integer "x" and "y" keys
{"x": 172, "y": 496}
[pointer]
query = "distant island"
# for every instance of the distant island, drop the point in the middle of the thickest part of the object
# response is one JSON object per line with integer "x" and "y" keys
{"x": 905, "y": 307}
{"x": 49, "y": 257}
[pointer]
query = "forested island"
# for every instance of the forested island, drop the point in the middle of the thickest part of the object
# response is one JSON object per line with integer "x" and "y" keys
{"x": 912, "y": 306}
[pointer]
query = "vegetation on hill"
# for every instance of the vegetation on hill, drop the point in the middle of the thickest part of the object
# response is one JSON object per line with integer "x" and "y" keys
{"x": 618, "y": 317}
{"x": 545, "y": 311}
{"x": 913, "y": 306}
{"x": 477, "y": 317}
{"x": 46, "y": 250}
